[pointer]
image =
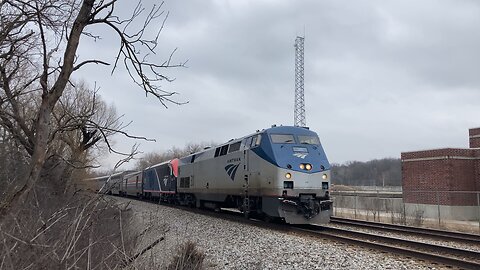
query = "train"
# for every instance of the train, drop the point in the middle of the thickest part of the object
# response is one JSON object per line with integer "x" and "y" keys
{"x": 278, "y": 173}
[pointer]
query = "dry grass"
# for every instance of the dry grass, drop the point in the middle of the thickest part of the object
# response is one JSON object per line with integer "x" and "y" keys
{"x": 82, "y": 230}
{"x": 65, "y": 232}
{"x": 188, "y": 257}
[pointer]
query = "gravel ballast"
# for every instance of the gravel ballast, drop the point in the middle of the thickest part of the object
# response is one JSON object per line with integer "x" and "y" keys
{"x": 233, "y": 245}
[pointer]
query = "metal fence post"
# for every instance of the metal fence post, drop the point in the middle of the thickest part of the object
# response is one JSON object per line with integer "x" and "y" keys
{"x": 335, "y": 206}
{"x": 478, "y": 206}
{"x": 438, "y": 206}
{"x": 355, "y": 196}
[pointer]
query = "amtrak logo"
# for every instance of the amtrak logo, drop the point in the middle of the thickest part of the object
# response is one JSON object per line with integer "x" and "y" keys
{"x": 301, "y": 155}
{"x": 165, "y": 181}
{"x": 231, "y": 170}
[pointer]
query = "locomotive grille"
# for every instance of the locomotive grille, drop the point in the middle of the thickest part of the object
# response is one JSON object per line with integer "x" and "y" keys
{"x": 185, "y": 182}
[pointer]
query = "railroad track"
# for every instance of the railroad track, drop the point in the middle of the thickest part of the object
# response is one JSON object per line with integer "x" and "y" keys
{"x": 464, "y": 238}
{"x": 448, "y": 256}
{"x": 436, "y": 254}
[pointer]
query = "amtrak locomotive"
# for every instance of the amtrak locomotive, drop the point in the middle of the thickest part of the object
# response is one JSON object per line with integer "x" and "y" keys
{"x": 277, "y": 173}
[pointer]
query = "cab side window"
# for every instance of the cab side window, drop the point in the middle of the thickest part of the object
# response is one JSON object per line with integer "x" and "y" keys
{"x": 254, "y": 142}
{"x": 248, "y": 141}
{"x": 258, "y": 140}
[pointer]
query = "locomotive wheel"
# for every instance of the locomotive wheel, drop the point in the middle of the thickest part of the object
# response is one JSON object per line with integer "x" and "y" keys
{"x": 268, "y": 218}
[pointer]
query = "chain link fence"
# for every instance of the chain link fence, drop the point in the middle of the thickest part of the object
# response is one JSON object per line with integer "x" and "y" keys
{"x": 457, "y": 210}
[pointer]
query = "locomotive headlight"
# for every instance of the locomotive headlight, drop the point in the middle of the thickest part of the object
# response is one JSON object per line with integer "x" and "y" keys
{"x": 308, "y": 167}
{"x": 324, "y": 176}
{"x": 288, "y": 175}
{"x": 302, "y": 166}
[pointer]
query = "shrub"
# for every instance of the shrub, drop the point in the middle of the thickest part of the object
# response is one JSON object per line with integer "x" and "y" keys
{"x": 188, "y": 257}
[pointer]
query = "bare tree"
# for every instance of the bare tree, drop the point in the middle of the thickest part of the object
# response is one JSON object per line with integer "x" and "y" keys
{"x": 39, "y": 43}
{"x": 82, "y": 124}
{"x": 153, "y": 158}
{"x": 13, "y": 163}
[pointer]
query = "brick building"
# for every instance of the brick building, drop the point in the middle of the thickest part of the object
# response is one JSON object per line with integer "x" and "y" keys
{"x": 448, "y": 177}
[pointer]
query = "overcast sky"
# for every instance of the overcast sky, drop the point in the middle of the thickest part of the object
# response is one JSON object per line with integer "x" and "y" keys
{"x": 381, "y": 77}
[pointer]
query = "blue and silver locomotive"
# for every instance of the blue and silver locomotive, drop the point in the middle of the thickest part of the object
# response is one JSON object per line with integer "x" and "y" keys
{"x": 280, "y": 172}
{"x": 277, "y": 173}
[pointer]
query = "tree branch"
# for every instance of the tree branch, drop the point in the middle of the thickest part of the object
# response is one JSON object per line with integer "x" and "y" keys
{"x": 90, "y": 62}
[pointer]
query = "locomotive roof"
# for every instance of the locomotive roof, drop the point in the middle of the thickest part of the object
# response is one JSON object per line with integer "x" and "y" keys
{"x": 272, "y": 130}
{"x": 289, "y": 130}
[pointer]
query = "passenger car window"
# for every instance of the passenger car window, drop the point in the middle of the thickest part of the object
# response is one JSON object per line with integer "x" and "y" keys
{"x": 282, "y": 138}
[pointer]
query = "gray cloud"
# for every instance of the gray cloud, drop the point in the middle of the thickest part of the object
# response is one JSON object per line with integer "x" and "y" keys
{"x": 381, "y": 76}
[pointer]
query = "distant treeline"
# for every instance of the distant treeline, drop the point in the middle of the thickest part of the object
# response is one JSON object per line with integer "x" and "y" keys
{"x": 376, "y": 172}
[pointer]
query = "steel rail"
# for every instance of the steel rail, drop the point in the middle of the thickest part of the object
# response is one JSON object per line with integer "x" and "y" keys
{"x": 465, "y": 259}
{"x": 433, "y": 233}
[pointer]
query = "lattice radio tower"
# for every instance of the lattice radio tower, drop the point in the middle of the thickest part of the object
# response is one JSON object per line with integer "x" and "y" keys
{"x": 299, "y": 110}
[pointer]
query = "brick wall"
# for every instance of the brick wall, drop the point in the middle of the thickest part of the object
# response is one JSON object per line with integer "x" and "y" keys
{"x": 434, "y": 172}
{"x": 474, "y": 136}
{"x": 477, "y": 170}
{"x": 425, "y": 175}
{"x": 463, "y": 179}
{"x": 438, "y": 153}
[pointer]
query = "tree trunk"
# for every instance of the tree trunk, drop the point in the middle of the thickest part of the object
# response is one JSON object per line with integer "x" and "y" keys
{"x": 49, "y": 99}
{"x": 37, "y": 160}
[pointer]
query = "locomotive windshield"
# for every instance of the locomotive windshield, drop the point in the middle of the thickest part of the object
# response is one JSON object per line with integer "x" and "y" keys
{"x": 282, "y": 138}
{"x": 308, "y": 139}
